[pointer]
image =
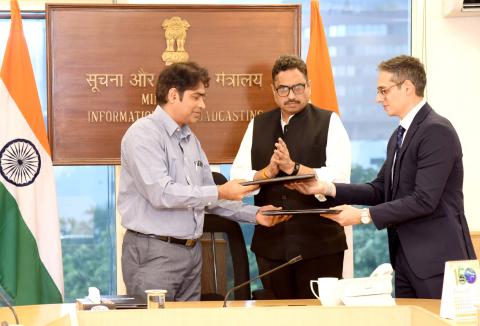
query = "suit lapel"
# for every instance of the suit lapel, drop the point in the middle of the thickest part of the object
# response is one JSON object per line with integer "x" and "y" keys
{"x": 417, "y": 121}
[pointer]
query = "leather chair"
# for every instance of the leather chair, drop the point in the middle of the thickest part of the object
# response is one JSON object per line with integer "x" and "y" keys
{"x": 216, "y": 224}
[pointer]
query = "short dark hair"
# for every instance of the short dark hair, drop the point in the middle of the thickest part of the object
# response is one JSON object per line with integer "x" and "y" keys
{"x": 181, "y": 76}
{"x": 287, "y": 62}
{"x": 405, "y": 67}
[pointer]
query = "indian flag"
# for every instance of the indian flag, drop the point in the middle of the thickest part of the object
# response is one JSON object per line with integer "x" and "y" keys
{"x": 318, "y": 63}
{"x": 30, "y": 253}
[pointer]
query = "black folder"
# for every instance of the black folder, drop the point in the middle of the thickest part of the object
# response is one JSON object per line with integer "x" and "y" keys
{"x": 127, "y": 301}
{"x": 287, "y": 178}
{"x": 301, "y": 211}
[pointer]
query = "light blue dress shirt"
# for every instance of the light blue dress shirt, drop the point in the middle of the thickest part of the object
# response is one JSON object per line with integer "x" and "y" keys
{"x": 166, "y": 184}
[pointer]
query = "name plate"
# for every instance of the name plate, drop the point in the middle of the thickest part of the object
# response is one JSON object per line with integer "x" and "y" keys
{"x": 461, "y": 290}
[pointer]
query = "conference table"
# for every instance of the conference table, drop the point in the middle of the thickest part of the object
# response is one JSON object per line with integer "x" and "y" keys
{"x": 268, "y": 312}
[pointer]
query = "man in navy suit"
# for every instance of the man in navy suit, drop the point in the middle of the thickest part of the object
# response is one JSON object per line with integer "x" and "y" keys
{"x": 417, "y": 194}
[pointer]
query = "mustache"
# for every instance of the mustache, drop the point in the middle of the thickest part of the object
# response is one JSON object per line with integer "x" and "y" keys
{"x": 291, "y": 101}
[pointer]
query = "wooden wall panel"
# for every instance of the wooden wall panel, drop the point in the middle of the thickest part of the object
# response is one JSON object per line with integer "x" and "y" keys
{"x": 87, "y": 123}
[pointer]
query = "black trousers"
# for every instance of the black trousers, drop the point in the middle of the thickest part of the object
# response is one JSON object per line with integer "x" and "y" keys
{"x": 408, "y": 285}
{"x": 293, "y": 282}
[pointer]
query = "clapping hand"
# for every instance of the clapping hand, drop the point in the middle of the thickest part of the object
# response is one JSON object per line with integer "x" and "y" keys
{"x": 281, "y": 156}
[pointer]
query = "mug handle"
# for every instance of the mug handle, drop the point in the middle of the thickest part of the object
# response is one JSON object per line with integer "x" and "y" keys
{"x": 313, "y": 290}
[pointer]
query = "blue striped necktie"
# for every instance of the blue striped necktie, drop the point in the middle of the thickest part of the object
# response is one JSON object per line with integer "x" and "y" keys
{"x": 400, "y": 132}
{"x": 398, "y": 145}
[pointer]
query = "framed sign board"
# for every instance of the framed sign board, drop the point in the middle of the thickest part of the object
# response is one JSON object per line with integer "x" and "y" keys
{"x": 103, "y": 62}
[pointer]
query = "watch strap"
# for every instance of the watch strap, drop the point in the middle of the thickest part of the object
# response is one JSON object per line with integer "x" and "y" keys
{"x": 296, "y": 168}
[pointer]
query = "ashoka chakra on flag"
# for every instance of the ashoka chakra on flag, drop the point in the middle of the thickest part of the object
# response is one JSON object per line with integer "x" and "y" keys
{"x": 20, "y": 162}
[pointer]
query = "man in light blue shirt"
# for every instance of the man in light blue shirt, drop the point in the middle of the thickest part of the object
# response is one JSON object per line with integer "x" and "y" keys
{"x": 166, "y": 186}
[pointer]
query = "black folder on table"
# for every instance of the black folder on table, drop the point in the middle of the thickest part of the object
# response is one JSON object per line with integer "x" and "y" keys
{"x": 127, "y": 301}
{"x": 287, "y": 178}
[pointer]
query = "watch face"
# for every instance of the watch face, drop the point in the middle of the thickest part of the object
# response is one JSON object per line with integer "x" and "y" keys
{"x": 364, "y": 218}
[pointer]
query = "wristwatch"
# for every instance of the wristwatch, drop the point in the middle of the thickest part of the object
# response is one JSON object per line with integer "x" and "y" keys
{"x": 296, "y": 168}
{"x": 365, "y": 216}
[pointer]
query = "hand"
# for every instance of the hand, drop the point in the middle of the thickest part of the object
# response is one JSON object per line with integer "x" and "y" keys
{"x": 272, "y": 168}
{"x": 270, "y": 220}
{"x": 233, "y": 190}
{"x": 311, "y": 186}
{"x": 281, "y": 157}
{"x": 349, "y": 215}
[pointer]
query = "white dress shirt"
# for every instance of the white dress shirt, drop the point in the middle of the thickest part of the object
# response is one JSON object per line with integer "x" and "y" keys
{"x": 408, "y": 119}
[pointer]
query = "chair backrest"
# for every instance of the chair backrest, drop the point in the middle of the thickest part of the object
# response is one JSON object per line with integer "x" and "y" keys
{"x": 236, "y": 242}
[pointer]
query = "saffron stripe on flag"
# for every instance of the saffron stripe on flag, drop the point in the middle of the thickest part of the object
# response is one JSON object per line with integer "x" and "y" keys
{"x": 318, "y": 64}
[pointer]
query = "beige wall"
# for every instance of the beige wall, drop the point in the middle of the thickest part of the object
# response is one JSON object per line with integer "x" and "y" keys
{"x": 450, "y": 48}
{"x": 40, "y": 4}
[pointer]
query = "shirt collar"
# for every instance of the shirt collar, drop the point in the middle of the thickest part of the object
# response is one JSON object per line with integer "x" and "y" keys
{"x": 408, "y": 119}
{"x": 162, "y": 118}
{"x": 285, "y": 123}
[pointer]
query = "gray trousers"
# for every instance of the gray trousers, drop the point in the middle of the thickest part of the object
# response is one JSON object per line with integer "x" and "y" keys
{"x": 149, "y": 263}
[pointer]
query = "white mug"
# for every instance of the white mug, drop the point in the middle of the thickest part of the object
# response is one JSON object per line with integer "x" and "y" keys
{"x": 327, "y": 290}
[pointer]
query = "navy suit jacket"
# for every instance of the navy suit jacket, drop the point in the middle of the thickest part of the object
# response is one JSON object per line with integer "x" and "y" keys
{"x": 425, "y": 203}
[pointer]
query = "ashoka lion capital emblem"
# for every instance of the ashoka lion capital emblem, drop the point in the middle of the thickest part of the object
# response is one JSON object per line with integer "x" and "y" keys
{"x": 175, "y": 34}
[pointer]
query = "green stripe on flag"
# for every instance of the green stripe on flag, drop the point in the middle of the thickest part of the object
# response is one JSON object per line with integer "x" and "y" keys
{"x": 22, "y": 274}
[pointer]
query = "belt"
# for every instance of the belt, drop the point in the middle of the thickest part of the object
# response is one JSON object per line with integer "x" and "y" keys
{"x": 184, "y": 242}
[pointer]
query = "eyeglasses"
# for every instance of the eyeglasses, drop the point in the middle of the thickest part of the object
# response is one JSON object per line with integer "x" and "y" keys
{"x": 384, "y": 91}
{"x": 284, "y": 91}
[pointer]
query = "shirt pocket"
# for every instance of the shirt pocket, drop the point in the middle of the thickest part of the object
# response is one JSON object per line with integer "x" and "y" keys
{"x": 199, "y": 171}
